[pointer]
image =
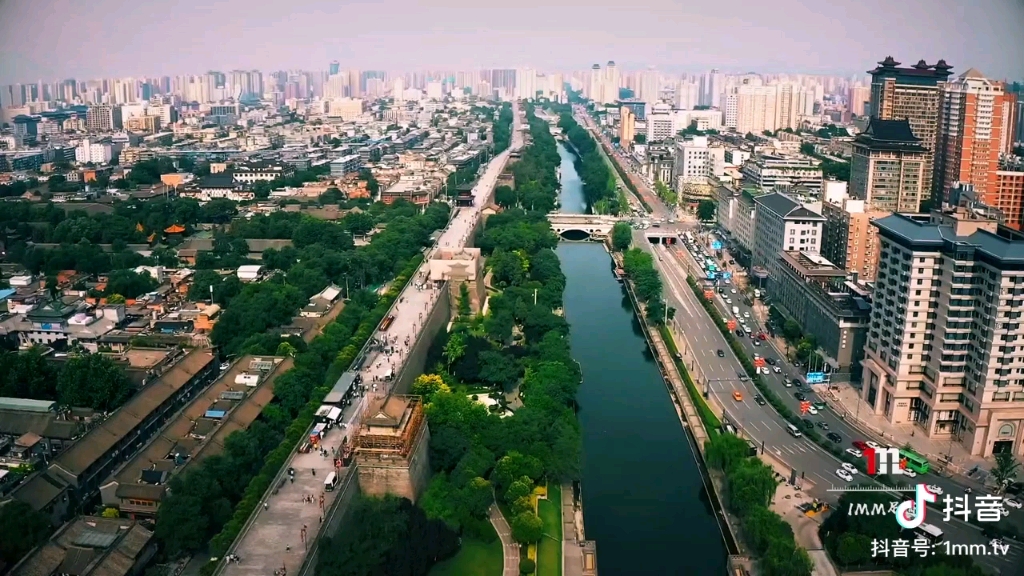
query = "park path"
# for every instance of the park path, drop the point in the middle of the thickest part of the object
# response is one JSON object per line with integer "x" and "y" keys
{"x": 510, "y": 549}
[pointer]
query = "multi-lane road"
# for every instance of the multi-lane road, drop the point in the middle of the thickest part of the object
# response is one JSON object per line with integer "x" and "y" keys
{"x": 724, "y": 375}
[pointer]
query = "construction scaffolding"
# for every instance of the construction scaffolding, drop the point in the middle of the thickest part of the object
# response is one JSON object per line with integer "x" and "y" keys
{"x": 389, "y": 428}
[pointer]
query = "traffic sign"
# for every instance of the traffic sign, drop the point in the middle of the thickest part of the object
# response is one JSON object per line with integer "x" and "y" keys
{"x": 815, "y": 377}
{"x": 726, "y": 275}
{"x": 731, "y": 324}
{"x": 709, "y": 294}
{"x": 759, "y": 362}
{"x": 805, "y": 405}
{"x": 711, "y": 275}
{"x": 716, "y": 245}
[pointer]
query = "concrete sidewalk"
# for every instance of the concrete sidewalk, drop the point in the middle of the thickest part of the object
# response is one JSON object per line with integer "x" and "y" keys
{"x": 845, "y": 400}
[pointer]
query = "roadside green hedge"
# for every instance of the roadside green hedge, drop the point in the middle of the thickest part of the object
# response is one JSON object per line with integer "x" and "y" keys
{"x": 277, "y": 458}
{"x": 625, "y": 177}
{"x": 712, "y": 423}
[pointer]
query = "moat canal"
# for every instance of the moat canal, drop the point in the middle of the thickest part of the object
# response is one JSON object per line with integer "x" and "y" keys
{"x": 643, "y": 499}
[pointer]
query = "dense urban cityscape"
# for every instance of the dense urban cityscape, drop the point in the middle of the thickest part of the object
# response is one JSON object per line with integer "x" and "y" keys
{"x": 513, "y": 321}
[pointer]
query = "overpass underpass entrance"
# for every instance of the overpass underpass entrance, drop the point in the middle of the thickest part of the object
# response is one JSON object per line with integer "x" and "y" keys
{"x": 665, "y": 238}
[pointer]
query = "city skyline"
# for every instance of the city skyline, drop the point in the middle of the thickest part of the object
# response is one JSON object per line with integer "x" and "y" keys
{"x": 841, "y": 39}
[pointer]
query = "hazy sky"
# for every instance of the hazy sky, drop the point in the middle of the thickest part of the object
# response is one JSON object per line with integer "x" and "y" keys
{"x": 52, "y": 39}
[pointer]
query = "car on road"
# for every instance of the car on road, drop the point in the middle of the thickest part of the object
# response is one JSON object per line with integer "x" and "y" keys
{"x": 771, "y": 361}
{"x": 860, "y": 445}
{"x": 853, "y": 452}
{"x": 934, "y": 489}
{"x": 757, "y": 342}
{"x": 800, "y": 396}
{"x": 844, "y": 475}
{"x": 721, "y": 353}
{"x": 873, "y": 445}
{"x": 742, "y": 375}
{"x": 849, "y": 467}
{"x": 822, "y": 424}
{"x": 812, "y": 411}
{"x": 1013, "y": 503}
{"x": 796, "y": 382}
{"x": 788, "y": 384}
{"x": 835, "y": 437}
{"x": 745, "y": 314}
{"x": 737, "y": 395}
{"x": 760, "y": 401}
{"x": 739, "y": 332}
{"x": 777, "y": 369}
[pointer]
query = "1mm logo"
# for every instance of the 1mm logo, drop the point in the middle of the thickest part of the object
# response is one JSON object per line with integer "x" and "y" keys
{"x": 884, "y": 461}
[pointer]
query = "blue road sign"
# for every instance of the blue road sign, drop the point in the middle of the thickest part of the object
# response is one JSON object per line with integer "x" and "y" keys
{"x": 716, "y": 245}
{"x": 815, "y": 377}
{"x": 726, "y": 274}
{"x": 711, "y": 275}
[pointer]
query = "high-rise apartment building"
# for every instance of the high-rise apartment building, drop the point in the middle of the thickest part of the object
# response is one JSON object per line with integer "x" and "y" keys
{"x": 888, "y": 166}
{"x": 1010, "y": 190}
{"x": 526, "y": 83}
{"x": 627, "y": 126}
{"x": 913, "y": 94}
{"x": 850, "y": 241}
{"x": 99, "y": 118}
{"x": 971, "y": 118}
{"x": 943, "y": 341}
{"x": 756, "y": 109}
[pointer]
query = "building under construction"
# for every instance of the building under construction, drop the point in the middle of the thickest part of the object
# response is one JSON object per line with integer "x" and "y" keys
{"x": 391, "y": 447}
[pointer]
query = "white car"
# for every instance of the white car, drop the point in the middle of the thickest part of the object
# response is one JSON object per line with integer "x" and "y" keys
{"x": 746, "y": 314}
{"x": 787, "y": 384}
{"x": 934, "y": 489}
{"x": 908, "y": 473}
{"x": 732, "y": 290}
{"x": 874, "y": 445}
{"x": 777, "y": 370}
{"x": 849, "y": 468}
{"x": 854, "y": 452}
{"x": 812, "y": 411}
{"x": 728, "y": 300}
{"x": 1013, "y": 503}
{"x": 842, "y": 473}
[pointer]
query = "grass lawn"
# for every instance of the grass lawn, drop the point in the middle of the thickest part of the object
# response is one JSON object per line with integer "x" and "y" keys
{"x": 475, "y": 558}
{"x": 549, "y": 549}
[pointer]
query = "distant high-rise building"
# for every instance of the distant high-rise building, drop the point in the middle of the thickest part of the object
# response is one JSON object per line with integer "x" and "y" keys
{"x": 970, "y": 137}
{"x": 334, "y": 67}
{"x": 756, "y": 109}
{"x": 649, "y": 86}
{"x": 398, "y": 89}
{"x": 913, "y": 94}
{"x": 612, "y": 82}
{"x": 595, "y": 87}
{"x": 858, "y": 100}
{"x": 711, "y": 88}
{"x": 687, "y": 96}
{"x": 526, "y": 84}
{"x": 627, "y": 126}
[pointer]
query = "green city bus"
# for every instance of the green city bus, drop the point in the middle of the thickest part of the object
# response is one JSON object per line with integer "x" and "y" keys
{"x": 915, "y": 461}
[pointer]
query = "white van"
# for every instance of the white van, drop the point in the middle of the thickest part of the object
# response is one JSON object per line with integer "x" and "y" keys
{"x": 331, "y": 482}
{"x": 793, "y": 431}
{"x": 735, "y": 310}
